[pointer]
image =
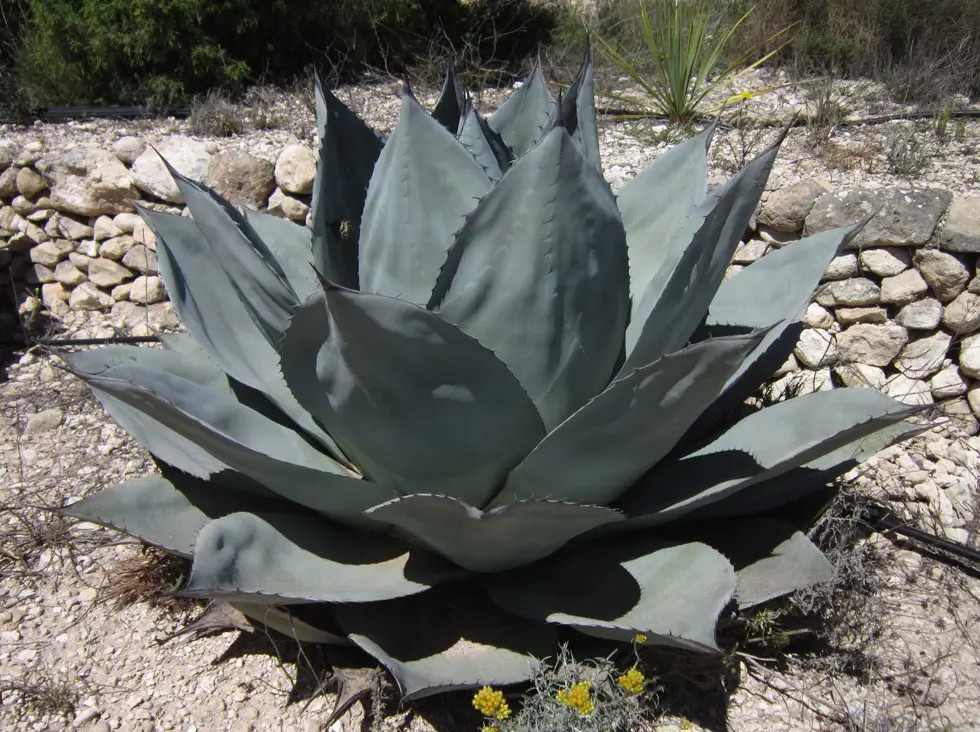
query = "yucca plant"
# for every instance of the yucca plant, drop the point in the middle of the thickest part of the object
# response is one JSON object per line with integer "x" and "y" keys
{"x": 482, "y": 404}
{"x": 687, "y": 52}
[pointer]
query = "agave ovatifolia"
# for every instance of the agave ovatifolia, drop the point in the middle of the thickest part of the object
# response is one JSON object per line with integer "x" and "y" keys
{"x": 488, "y": 413}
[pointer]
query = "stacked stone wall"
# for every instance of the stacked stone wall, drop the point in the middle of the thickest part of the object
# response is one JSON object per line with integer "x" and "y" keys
{"x": 899, "y": 310}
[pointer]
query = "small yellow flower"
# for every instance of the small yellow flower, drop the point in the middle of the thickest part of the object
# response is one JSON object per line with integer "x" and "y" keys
{"x": 640, "y": 638}
{"x": 579, "y": 698}
{"x": 633, "y": 681}
{"x": 686, "y": 724}
{"x": 747, "y": 95}
{"x": 490, "y": 702}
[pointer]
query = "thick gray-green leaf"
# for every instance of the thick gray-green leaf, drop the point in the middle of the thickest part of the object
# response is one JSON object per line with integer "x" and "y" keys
{"x": 491, "y": 541}
{"x": 281, "y": 620}
{"x": 525, "y": 114}
{"x": 788, "y": 276}
{"x": 538, "y": 275}
{"x": 577, "y": 110}
{"x": 237, "y": 436}
{"x": 215, "y": 317}
{"x": 419, "y": 405}
{"x": 166, "y": 444}
{"x": 252, "y": 270}
{"x": 758, "y": 448}
{"x": 424, "y": 185}
{"x": 292, "y": 557}
{"x": 167, "y": 512}
{"x": 349, "y": 150}
{"x": 602, "y": 449}
{"x": 656, "y": 204}
{"x": 444, "y": 640}
{"x": 795, "y": 483}
{"x": 675, "y": 302}
{"x": 618, "y": 588}
{"x": 452, "y": 100}
{"x": 291, "y": 246}
{"x": 473, "y": 136}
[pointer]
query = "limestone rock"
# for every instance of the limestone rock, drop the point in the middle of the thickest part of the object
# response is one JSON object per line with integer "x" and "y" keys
{"x": 855, "y": 292}
{"x": 961, "y": 230}
{"x": 886, "y": 262}
{"x": 946, "y": 274}
{"x": 8, "y": 151}
{"x": 948, "y": 383}
{"x": 117, "y": 247}
{"x": 39, "y": 274}
{"x": 923, "y": 357}
{"x": 923, "y": 314}
{"x": 105, "y": 228}
{"x": 73, "y": 229}
{"x": 128, "y": 148}
{"x": 30, "y": 183}
{"x": 88, "y": 247}
{"x": 44, "y": 421}
{"x": 55, "y": 298}
{"x": 295, "y": 169}
{"x": 903, "y": 288}
{"x": 905, "y": 218}
{"x": 8, "y": 183}
{"x": 817, "y": 316}
{"x": 750, "y": 251}
{"x": 67, "y": 274}
{"x": 850, "y": 316}
{"x": 163, "y": 317}
{"x": 189, "y": 157}
{"x": 79, "y": 261}
{"x": 107, "y": 273}
{"x": 242, "y": 178}
{"x": 89, "y": 181}
{"x": 842, "y": 267}
{"x": 121, "y": 292}
{"x": 282, "y": 205}
{"x": 970, "y": 356}
{"x": 127, "y": 222}
{"x": 874, "y": 345}
{"x": 140, "y": 259}
{"x": 89, "y": 297}
{"x": 861, "y": 376}
{"x": 785, "y": 210}
{"x": 913, "y": 392}
{"x": 51, "y": 252}
{"x": 147, "y": 290}
{"x": 816, "y": 348}
{"x": 962, "y": 316}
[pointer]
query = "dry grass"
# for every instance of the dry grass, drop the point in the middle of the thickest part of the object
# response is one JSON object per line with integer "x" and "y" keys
{"x": 149, "y": 577}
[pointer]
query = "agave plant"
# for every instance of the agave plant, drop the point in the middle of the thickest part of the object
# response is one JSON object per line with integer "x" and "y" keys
{"x": 483, "y": 404}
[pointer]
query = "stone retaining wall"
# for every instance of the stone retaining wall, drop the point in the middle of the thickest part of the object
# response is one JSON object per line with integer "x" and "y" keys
{"x": 898, "y": 311}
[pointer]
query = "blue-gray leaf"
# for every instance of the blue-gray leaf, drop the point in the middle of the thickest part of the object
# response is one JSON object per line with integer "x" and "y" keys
{"x": 538, "y": 275}
{"x": 424, "y": 185}
{"x": 417, "y": 404}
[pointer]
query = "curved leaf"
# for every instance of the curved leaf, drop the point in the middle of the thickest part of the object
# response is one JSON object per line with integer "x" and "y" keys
{"x": 677, "y": 298}
{"x": 237, "y": 436}
{"x": 602, "y": 449}
{"x": 419, "y": 405}
{"x": 788, "y": 276}
{"x": 349, "y": 150}
{"x": 213, "y": 315}
{"x": 473, "y": 135}
{"x": 656, "y": 204}
{"x": 538, "y": 274}
{"x": 525, "y": 114}
{"x": 506, "y": 537}
{"x": 291, "y": 246}
{"x": 440, "y": 641}
{"x": 289, "y": 557}
{"x": 252, "y": 270}
{"x": 449, "y": 108}
{"x": 758, "y": 448}
{"x": 673, "y": 594}
{"x": 424, "y": 185}
{"x": 577, "y": 110}
{"x": 167, "y": 512}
